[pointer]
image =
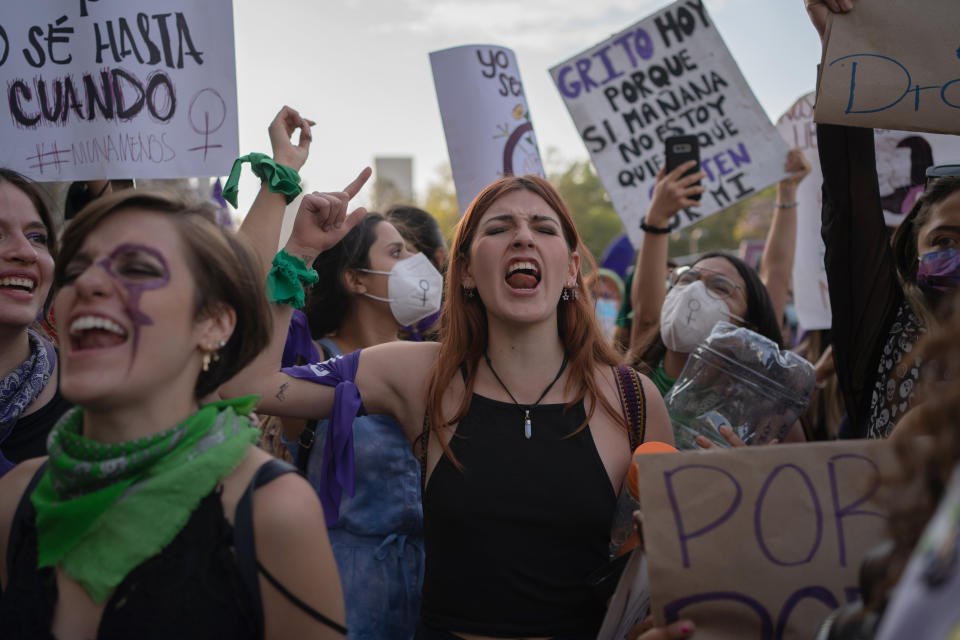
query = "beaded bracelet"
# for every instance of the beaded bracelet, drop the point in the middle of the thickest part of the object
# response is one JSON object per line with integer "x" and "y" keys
{"x": 287, "y": 278}
{"x": 784, "y": 205}
{"x": 280, "y": 179}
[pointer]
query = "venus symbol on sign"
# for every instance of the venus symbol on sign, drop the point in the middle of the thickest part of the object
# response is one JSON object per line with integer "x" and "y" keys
{"x": 425, "y": 287}
{"x": 207, "y": 113}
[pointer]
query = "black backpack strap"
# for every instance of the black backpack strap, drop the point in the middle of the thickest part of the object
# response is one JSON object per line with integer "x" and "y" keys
{"x": 243, "y": 539}
{"x": 24, "y": 514}
{"x": 309, "y": 434}
{"x": 634, "y": 403}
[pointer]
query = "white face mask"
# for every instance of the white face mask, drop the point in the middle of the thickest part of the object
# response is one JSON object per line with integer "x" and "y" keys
{"x": 415, "y": 288}
{"x": 688, "y": 315}
{"x": 607, "y": 314}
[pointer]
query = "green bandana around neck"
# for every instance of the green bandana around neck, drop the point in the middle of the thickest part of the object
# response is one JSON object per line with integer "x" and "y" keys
{"x": 661, "y": 380}
{"x": 280, "y": 178}
{"x": 103, "y": 509}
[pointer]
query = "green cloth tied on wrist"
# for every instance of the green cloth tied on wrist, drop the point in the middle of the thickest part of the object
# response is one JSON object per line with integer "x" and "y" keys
{"x": 286, "y": 280}
{"x": 280, "y": 179}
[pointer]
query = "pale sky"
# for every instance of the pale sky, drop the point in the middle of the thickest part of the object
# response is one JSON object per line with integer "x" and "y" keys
{"x": 360, "y": 68}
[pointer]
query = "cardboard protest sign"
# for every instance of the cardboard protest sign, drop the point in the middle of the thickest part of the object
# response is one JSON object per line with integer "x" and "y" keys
{"x": 888, "y": 64}
{"x": 485, "y": 117}
{"x": 902, "y": 161}
{"x": 118, "y": 89}
{"x": 759, "y": 542}
{"x": 669, "y": 74}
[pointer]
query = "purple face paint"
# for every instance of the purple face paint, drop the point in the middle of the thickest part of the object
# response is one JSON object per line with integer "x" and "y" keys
{"x": 940, "y": 270}
{"x": 136, "y": 284}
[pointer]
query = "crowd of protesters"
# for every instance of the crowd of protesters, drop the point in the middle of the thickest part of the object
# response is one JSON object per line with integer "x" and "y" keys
{"x": 461, "y": 419}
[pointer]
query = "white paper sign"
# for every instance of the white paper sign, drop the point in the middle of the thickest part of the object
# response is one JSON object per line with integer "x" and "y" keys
{"x": 669, "y": 74}
{"x": 810, "y": 294}
{"x": 485, "y": 117}
{"x": 118, "y": 89}
{"x": 902, "y": 161}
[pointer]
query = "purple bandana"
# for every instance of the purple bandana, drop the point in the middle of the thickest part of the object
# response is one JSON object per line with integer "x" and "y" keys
{"x": 337, "y": 473}
{"x": 299, "y": 342}
{"x": 940, "y": 270}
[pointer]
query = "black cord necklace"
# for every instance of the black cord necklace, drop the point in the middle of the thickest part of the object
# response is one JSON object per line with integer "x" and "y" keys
{"x": 527, "y": 424}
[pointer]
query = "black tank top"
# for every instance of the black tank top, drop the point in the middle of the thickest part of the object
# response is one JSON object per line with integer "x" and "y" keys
{"x": 201, "y": 585}
{"x": 512, "y": 538}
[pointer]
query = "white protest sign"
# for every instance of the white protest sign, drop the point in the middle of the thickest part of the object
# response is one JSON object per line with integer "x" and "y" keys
{"x": 669, "y": 74}
{"x": 892, "y": 64}
{"x": 118, "y": 89}
{"x": 902, "y": 161}
{"x": 761, "y": 542}
{"x": 811, "y": 296}
{"x": 485, "y": 117}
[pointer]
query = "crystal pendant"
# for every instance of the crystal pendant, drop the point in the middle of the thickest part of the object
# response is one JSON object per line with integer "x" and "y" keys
{"x": 527, "y": 425}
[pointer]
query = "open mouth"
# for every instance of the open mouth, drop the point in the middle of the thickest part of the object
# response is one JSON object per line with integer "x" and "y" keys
{"x": 18, "y": 283}
{"x": 523, "y": 275}
{"x": 95, "y": 332}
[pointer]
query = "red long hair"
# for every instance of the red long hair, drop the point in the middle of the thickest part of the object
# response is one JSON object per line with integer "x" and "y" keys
{"x": 463, "y": 323}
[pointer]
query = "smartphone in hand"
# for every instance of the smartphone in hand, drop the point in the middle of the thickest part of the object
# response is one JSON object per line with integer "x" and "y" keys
{"x": 680, "y": 149}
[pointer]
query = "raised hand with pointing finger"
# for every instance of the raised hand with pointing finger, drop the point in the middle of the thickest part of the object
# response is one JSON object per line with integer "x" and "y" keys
{"x": 322, "y": 219}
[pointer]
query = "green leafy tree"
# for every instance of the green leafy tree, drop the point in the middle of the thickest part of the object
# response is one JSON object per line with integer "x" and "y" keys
{"x": 592, "y": 211}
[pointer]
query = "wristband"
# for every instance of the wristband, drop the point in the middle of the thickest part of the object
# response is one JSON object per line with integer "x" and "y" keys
{"x": 651, "y": 229}
{"x": 286, "y": 280}
{"x": 280, "y": 179}
{"x": 784, "y": 205}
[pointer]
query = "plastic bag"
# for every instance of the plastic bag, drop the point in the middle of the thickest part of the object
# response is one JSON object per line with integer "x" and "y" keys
{"x": 743, "y": 380}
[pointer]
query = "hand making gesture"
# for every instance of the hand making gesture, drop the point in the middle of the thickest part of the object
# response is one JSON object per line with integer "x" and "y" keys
{"x": 322, "y": 219}
{"x": 286, "y": 122}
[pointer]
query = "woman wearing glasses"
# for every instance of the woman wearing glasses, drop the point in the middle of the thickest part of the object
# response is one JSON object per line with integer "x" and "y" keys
{"x": 883, "y": 297}
{"x": 668, "y": 325}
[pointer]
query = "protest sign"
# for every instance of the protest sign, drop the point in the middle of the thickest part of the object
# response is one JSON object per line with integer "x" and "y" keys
{"x": 111, "y": 89}
{"x": 760, "y": 542}
{"x": 485, "y": 117}
{"x": 669, "y": 74}
{"x": 887, "y": 64}
{"x": 902, "y": 161}
{"x": 811, "y": 296}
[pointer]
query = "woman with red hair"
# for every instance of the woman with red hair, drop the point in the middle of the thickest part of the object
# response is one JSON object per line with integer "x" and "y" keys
{"x": 516, "y": 414}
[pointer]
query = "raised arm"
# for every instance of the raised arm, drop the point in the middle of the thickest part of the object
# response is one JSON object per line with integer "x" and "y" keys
{"x": 776, "y": 264}
{"x": 262, "y": 223}
{"x": 865, "y": 294}
{"x": 673, "y": 192}
{"x": 391, "y": 377}
{"x": 321, "y": 222}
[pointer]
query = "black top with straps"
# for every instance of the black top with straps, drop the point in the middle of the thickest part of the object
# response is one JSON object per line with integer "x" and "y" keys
{"x": 202, "y": 585}
{"x": 514, "y": 536}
